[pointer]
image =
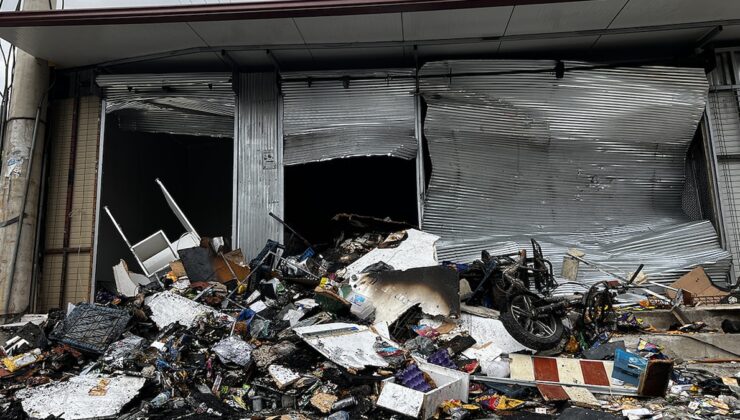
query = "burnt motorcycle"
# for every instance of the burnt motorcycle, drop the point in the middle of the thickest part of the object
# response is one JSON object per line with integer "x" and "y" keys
{"x": 523, "y": 290}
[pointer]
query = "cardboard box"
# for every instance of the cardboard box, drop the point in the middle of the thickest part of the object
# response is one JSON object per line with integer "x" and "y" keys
{"x": 235, "y": 260}
{"x": 698, "y": 285}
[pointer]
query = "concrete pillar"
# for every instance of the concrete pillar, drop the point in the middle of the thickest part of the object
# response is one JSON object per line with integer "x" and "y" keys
{"x": 27, "y": 99}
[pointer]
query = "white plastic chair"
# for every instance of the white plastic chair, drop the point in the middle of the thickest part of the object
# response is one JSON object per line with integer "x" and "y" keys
{"x": 156, "y": 252}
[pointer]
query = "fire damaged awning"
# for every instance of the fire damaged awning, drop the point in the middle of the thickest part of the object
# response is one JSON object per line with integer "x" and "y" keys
{"x": 197, "y": 104}
{"x": 593, "y": 160}
{"x": 334, "y": 114}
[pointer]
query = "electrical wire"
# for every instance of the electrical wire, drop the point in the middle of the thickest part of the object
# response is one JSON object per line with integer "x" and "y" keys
{"x": 5, "y": 59}
{"x": 29, "y": 169}
{"x": 5, "y": 99}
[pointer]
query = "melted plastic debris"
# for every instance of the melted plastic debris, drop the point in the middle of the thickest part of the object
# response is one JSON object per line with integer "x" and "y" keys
{"x": 122, "y": 349}
{"x": 91, "y": 327}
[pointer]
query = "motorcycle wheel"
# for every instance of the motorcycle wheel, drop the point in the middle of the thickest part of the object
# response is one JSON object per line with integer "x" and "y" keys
{"x": 542, "y": 333}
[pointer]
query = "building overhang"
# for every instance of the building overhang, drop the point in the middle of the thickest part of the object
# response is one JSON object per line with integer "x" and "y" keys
{"x": 322, "y": 33}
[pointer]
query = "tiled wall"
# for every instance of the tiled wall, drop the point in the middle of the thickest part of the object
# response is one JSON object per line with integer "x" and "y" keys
{"x": 82, "y": 216}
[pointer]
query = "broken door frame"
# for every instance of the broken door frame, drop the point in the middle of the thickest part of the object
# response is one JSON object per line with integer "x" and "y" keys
{"x": 98, "y": 194}
{"x": 235, "y": 81}
{"x": 707, "y": 133}
{"x": 99, "y": 182}
{"x": 420, "y": 173}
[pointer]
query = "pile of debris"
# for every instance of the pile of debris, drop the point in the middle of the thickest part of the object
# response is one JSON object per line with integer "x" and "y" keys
{"x": 372, "y": 327}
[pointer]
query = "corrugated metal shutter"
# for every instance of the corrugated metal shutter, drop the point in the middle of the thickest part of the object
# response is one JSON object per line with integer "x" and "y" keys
{"x": 259, "y": 163}
{"x": 339, "y": 114}
{"x": 197, "y": 104}
{"x": 594, "y": 160}
{"x": 724, "y": 120}
{"x": 77, "y": 279}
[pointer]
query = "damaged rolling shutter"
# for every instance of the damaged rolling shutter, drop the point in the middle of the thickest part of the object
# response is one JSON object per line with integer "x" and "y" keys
{"x": 593, "y": 160}
{"x": 333, "y": 115}
{"x": 726, "y": 132}
{"x": 197, "y": 104}
{"x": 724, "y": 119}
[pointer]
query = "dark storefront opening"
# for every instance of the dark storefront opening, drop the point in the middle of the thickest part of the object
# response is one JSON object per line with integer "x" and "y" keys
{"x": 197, "y": 172}
{"x": 697, "y": 199}
{"x": 369, "y": 186}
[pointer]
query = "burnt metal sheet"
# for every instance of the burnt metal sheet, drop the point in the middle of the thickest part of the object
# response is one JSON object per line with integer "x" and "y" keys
{"x": 436, "y": 289}
{"x": 169, "y": 308}
{"x": 349, "y": 345}
{"x": 368, "y": 113}
{"x": 196, "y": 104}
{"x": 418, "y": 249}
{"x": 81, "y": 397}
{"x": 594, "y": 160}
{"x": 259, "y": 163}
{"x": 485, "y": 330}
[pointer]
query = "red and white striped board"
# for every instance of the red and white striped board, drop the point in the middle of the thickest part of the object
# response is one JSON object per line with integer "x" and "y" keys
{"x": 564, "y": 371}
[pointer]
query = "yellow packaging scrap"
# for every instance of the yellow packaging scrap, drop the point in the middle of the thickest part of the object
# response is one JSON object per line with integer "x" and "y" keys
{"x": 100, "y": 389}
{"x": 14, "y": 363}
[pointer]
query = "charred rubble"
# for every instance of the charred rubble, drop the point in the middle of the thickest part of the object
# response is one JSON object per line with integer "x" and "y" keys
{"x": 369, "y": 326}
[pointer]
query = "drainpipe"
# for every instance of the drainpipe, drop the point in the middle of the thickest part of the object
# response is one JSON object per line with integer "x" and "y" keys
{"x": 20, "y": 178}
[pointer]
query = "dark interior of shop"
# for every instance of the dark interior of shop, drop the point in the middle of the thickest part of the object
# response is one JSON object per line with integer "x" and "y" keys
{"x": 197, "y": 171}
{"x": 369, "y": 186}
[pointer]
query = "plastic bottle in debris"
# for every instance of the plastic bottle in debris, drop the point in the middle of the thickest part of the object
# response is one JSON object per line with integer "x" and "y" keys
{"x": 160, "y": 400}
{"x": 256, "y": 403}
{"x": 459, "y": 414}
{"x": 344, "y": 403}
{"x": 339, "y": 415}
